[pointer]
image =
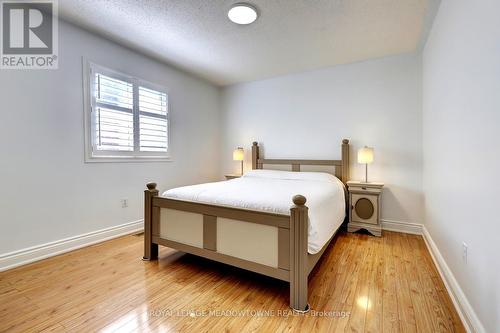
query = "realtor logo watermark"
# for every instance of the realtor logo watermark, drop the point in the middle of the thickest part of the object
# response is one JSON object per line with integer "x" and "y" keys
{"x": 29, "y": 34}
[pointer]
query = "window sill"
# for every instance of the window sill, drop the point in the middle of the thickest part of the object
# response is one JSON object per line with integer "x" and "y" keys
{"x": 126, "y": 159}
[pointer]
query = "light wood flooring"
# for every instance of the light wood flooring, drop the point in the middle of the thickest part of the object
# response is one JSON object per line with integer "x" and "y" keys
{"x": 362, "y": 284}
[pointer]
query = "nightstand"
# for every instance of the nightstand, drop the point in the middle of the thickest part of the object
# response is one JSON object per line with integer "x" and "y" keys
{"x": 232, "y": 176}
{"x": 364, "y": 207}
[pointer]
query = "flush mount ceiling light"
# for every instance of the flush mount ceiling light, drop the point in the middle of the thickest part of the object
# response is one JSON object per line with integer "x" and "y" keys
{"x": 242, "y": 13}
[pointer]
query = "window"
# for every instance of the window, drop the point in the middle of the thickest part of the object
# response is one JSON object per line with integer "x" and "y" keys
{"x": 126, "y": 118}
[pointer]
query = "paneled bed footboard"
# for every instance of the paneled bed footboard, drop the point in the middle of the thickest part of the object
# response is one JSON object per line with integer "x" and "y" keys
{"x": 271, "y": 244}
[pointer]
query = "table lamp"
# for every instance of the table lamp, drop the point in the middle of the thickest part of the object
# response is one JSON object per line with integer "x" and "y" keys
{"x": 238, "y": 156}
{"x": 365, "y": 156}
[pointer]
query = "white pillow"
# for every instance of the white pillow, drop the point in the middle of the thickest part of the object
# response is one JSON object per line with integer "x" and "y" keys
{"x": 291, "y": 175}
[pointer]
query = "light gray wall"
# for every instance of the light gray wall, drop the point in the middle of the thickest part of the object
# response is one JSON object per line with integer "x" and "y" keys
{"x": 306, "y": 115}
{"x": 47, "y": 192}
{"x": 461, "y": 116}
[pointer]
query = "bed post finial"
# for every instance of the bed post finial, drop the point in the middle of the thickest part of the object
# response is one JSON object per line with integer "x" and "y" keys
{"x": 345, "y": 160}
{"x": 255, "y": 155}
{"x": 299, "y": 200}
{"x": 150, "y": 248}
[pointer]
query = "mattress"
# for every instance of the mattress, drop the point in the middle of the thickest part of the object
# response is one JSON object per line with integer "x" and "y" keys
{"x": 272, "y": 191}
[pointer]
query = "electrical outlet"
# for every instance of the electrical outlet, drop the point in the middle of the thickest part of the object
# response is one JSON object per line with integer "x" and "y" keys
{"x": 465, "y": 247}
{"x": 124, "y": 203}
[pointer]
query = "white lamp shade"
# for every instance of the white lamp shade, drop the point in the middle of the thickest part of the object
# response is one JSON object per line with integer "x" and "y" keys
{"x": 238, "y": 154}
{"x": 365, "y": 155}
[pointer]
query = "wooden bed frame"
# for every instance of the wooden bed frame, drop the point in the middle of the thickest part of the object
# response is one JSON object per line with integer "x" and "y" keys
{"x": 294, "y": 262}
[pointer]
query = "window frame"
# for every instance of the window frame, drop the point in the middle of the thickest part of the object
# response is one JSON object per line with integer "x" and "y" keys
{"x": 94, "y": 155}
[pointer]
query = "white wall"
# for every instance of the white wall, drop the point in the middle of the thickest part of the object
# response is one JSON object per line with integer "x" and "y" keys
{"x": 306, "y": 115}
{"x": 47, "y": 192}
{"x": 461, "y": 116}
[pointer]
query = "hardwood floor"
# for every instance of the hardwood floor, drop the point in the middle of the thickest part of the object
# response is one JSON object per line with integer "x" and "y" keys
{"x": 362, "y": 284}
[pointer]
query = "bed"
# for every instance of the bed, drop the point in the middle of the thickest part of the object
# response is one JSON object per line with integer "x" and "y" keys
{"x": 259, "y": 222}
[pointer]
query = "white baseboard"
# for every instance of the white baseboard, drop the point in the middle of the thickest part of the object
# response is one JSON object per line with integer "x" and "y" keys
{"x": 31, "y": 254}
{"x": 462, "y": 305}
{"x": 406, "y": 227}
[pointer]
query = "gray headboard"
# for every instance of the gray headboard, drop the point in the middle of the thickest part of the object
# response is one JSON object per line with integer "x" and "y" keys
{"x": 341, "y": 166}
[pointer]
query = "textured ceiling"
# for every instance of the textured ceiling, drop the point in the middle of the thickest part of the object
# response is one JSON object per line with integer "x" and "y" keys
{"x": 289, "y": 36}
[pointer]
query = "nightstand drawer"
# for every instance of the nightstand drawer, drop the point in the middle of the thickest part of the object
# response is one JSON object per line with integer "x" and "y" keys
{"x": 364, "y": 190}
{"x": 364, "y": 208}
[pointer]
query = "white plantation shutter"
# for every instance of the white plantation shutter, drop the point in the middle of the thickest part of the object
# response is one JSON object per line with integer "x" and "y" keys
{"x": 153, "y": 126}
{"x": 128, "y": 117}
{"x": 114, "y": 118}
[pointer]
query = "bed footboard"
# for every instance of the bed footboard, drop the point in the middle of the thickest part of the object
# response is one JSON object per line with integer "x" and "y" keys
{"x": 292, "y": 261}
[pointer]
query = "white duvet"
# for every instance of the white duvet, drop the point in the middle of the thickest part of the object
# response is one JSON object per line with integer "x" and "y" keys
{"x": 272, "y": 191}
